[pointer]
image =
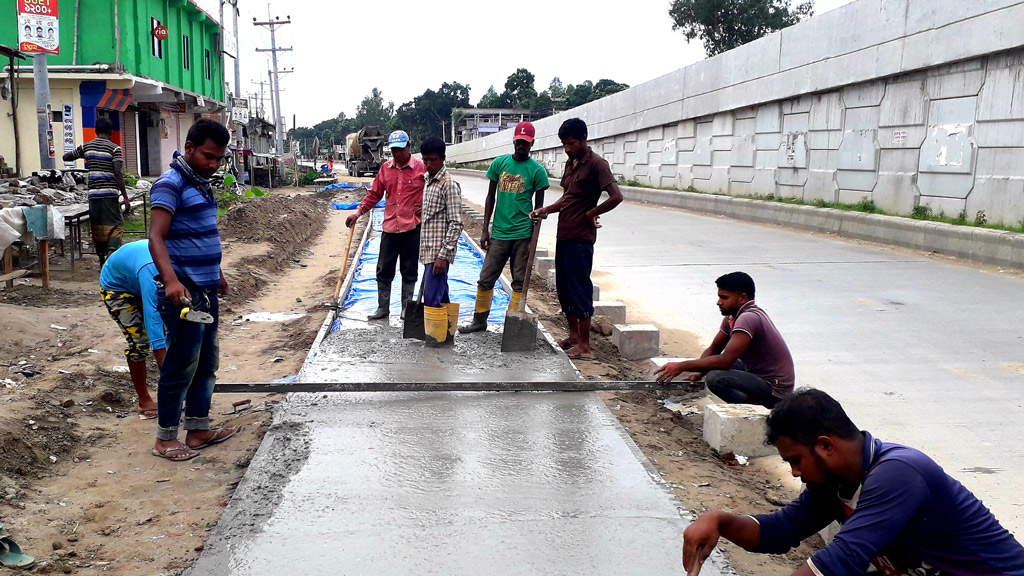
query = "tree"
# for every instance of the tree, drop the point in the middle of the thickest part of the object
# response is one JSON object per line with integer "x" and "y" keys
{"x": 579, "y": 95}
{"x": 427, "y": 114}
{"x": 606, "y": 87}
{"x": 556, "y": 90}
{"x": 373, "y": 112}
{"x": 726, "y": 24}
{"x": 542, "y": 102}
{"x": 492, "y": 99}
{"x": 520, "y": 85}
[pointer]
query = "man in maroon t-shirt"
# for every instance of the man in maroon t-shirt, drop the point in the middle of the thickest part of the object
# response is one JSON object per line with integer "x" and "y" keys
{"x": 748, "y": 362}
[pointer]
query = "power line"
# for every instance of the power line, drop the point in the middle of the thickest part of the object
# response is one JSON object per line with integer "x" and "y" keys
{"x": 273, "y": 25}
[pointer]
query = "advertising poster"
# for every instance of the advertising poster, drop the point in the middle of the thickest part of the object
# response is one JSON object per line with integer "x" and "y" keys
{"x": 69, "y": 133}
{"x": 38, "y": 32}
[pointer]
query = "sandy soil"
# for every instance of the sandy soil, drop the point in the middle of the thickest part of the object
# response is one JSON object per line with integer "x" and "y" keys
{"x": 79, "y": 489}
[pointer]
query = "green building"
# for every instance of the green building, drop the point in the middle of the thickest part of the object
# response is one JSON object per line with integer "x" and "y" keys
{"x": 113, "y": 64}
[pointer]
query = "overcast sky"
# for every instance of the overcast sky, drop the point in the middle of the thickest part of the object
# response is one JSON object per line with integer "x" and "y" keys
{"x": 342, "y": 50}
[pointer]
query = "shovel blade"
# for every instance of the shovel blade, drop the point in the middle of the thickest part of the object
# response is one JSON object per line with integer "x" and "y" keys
{"x": 520, "y": 332}
{"x": 412, "y": 326}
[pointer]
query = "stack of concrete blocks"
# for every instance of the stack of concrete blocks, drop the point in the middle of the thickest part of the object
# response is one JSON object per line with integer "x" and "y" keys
{"x": 5, "y": 170}
{"x": 894, "y": 113}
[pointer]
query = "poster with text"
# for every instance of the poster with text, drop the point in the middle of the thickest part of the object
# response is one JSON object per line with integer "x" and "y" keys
{"x": 69, "y": 133}
{"x": 38, "y": 32}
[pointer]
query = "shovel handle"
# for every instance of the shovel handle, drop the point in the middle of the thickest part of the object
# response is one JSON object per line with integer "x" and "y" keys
{"x": 344, "y": 262}
{"x": 534, "y": 238}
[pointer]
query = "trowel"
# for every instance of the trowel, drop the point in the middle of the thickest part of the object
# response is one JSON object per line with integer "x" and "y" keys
{"x": 197, "y": 316}
{"x": 520, "y": 332}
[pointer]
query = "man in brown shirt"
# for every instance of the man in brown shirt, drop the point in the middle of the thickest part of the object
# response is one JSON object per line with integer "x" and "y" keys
{"x": 586, "y": 176}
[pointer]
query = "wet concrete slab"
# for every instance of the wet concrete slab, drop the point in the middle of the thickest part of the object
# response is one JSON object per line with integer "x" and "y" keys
{"x": 449, "y": 483}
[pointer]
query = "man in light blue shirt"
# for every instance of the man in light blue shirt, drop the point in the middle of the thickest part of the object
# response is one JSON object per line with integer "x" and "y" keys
{"x": 129, "y": 291}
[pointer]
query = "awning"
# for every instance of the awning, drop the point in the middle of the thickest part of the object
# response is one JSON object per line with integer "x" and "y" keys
{"x": 117, "y": 99}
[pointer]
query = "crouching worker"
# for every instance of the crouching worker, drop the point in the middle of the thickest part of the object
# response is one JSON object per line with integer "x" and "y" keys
{"x": 899, "y": 510}
{"x": 439, "y": 239}
{"x": 517, "y": 186}
{"x": 129, "y": 292}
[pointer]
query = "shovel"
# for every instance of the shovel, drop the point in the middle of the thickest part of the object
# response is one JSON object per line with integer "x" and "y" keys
{"x": 334, "y": 304}
{"x": 520, "y": 332}
{"x": 191, "y": 315}
{"x": 412, "y": 326}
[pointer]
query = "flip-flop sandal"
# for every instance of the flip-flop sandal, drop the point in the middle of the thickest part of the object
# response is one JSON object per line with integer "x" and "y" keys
{"x": 221, "y": 434}
{"x": 578, "y": 356}
{"x": 11, "y": 556}
{"x": 147, "y": 414}
{"x": 179, "y": 453}
{"x": 565, "y": 344}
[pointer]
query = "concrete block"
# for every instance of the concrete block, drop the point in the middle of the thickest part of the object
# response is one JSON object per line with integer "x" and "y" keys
{"x": 902, "y": 137}
{"x": 895, "y": 193}
{"x": 737, "y": 428}
{"x": 542, "y": 265}
{"x": 1001, "y": 162}
{"x": 636, "y": 341}
{"x": 597, "y": 292}
{"x": 769, "y": 141}
{"x": 821, "y": 185}
{"x": 989, "y": 32}
{"x": 956, "y": 84}
{"x": 550, "y": 277}
{"x": 951, "y": 207}
{"x": 1002, "y": 199}
{"x": 947, "y": 185}
{"x": 798, "y": 105}
{"x": 827, "y": 111}
{"x": 722, "y": 125}
{"x": 902, "y": 161}
{"x": 853, "y": 196}
{"x": 904, "y": 104}
{"x": 1001, "y": 98}
{"x": 794, "y": 151}
{"x": 864, "y": 94}
{"x": 856, "y": 180}
{"x": 612, "y": 309}
{"x": 992, "y": 246}
{"x": 799, "y": 122}
{"x": 741, "y": 175}
{"x": 1008, "y": 133}
{"x": 655, "y": 364}
{"x": 769, "y": 118}
{"x": 541, "y": 253}
{"x": 786, "y": 176}
{"x": 824, "y": 139}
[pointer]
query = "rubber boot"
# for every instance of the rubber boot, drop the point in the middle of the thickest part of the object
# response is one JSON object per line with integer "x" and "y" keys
{"x": 513, "y": 303}
{"x": 407, "y": 291}
{"x": 480, "y": 312}
{"x": 435, "y": 324}
{"x": 453, "y": 323}
{"x": 383, "y": 301}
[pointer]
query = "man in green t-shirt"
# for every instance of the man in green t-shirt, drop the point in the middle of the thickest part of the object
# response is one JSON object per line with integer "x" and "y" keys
{"x": 517, "y": 187}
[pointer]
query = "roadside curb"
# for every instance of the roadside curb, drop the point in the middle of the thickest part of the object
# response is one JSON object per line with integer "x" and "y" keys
{"x": 981, "y": 245}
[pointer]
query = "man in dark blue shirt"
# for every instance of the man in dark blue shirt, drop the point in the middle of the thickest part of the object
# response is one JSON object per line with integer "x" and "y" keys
{"x": 899, "y": 510}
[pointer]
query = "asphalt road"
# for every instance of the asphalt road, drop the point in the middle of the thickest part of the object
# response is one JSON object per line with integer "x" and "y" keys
{"x": 921, "y": 351}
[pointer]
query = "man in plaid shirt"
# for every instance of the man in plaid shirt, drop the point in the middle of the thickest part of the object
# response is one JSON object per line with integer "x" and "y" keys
{"x": 439, "y": 237}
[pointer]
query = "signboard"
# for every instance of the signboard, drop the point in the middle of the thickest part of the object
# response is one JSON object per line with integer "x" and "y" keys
{"x": 178, "y": 107}
{"x": 240, "y": 111}
{"x": 200, "y": 101}
{"x": 69, "y": 133}
{"x": 160, "y": 33}
{"x": 899, "y": 137}
{"x": 230, "y": 44}
{"x": 38, "y": 32}
{"x": 487, "y": 127}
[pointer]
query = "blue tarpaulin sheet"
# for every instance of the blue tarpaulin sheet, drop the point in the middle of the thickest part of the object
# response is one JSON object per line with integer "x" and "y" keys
{"x": 462, "y": 277}
{"x": 354, "y": 205}
{"x": 342, "y": 186}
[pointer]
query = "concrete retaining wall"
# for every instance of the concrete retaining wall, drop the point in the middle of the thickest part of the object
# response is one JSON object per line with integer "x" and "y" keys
{"x": 902, "y": 102}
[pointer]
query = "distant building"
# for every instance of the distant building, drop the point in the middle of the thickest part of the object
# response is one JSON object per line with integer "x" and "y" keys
{"x": 473, "y": 123}
{"x": 152, "y": 90}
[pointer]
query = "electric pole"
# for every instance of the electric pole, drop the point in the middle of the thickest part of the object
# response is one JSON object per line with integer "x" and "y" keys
{"x": 272, "y": 25}
{"x": 42, "y": 89}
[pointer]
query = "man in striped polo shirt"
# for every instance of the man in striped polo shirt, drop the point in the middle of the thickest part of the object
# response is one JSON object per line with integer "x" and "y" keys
{"x": 105, "y": 161}
{"x": 185, "y": 245}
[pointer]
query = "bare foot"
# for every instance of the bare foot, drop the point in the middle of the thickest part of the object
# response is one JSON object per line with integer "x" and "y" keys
{"x": 173, "y": 450}
{"x": 199, "y": 439}
{"x": 577, "y": 353}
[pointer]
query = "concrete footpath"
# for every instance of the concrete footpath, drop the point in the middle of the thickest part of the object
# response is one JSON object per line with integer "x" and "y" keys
{"x": 445, "y": 483}
{"x": 919, "y": 351}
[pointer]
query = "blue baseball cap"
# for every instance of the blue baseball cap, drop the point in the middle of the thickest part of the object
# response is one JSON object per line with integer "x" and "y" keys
{"x": 398, "y": 139}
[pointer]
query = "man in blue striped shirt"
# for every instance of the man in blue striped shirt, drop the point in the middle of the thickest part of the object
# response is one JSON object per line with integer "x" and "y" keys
{"x": 185, "y": 245}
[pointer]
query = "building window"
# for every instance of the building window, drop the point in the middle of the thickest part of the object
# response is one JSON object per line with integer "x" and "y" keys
{"x": 186, "y": 53}
{"x": 158, "y": 46}
{"x": 206, "y": 65}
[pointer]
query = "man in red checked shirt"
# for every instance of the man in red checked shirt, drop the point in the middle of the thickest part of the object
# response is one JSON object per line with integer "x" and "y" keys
{"x": 400, "y": 182}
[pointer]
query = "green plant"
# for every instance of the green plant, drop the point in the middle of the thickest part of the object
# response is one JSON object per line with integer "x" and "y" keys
{"x": 961, "y": 218}
{"x": 308, "y": 178}
{"x": 632, "y": 183}
{"x": 865, "y": 205}
{"x": 129, "y": 180}
{"x": 980, "y": 219}
{"x": 253, "y": 192}
{"x": 921, "y": 212}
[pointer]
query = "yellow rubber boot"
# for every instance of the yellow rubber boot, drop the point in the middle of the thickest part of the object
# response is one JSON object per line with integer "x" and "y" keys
{"x": 453, "y": 322}
{"x": 481, "y": 311}
{"x": 435, "y": 324}
{"x": 513, "y": 303}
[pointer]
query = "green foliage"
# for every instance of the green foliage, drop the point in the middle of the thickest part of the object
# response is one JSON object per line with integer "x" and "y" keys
{"x": 726, "y": 24}
{"x": 866, "y": 205}
{"x": 229, "y": 180}
{"x": 129, "y": 180}
{"x": 373, "y": 112}
{"x": 606, "y": 87}
{"x": 308, "y": 178}
{"x": 921, "y": 212}
{"x": 430, "y": 114}
{"x": 519, "y": 85}
{"x": 980, "y": 219}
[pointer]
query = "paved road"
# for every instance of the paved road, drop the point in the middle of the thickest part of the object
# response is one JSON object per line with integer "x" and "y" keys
{"x": 920, "y": 351}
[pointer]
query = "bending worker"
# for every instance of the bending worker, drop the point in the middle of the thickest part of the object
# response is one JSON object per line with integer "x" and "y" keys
{"x": 129, "y": 292}
{"x": 400, "y": 182}
{"x": 748, "y": 362}
{"x": 517, "y": 186}
{"x": 899, "y": 511}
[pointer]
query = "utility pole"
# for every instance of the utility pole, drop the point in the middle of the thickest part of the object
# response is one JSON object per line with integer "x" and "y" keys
{"x": 272, "y": 25}
{"x": 42, "y": 89}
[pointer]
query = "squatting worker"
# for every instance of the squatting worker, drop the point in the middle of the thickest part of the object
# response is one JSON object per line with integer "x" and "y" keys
{"x": 129, "y": 292}
{"x": 517, "y": 186}
{"x": 586, "y": 176}
{"x": 748, "y": 362}
{"x": 439, "y": 240}
{"x": 186, "y": 249}
{"x": 104, "y": 160}
{"x": 899, "y": 510}
{"x": 400, "y": 181}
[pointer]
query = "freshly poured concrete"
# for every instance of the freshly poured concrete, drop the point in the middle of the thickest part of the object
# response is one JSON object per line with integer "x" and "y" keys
{"x": 448, "y": 483}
